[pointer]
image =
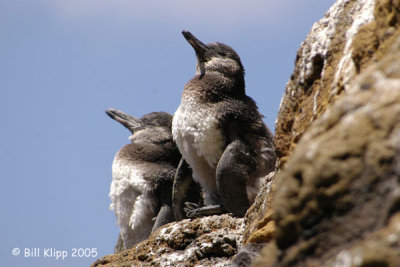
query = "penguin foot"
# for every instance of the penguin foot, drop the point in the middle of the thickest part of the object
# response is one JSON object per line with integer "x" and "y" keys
{"x": 193, "y": 210}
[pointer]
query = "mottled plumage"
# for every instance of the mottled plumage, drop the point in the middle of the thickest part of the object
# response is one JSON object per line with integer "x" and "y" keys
{"x": 220, "y": 132}
{"x": 143, "y": 172}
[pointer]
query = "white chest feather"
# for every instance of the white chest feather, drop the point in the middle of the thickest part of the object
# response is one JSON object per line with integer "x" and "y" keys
{"x": 195, "y": 130}
{"x": 132, "y": 201}
{"x": 126, "y": 174}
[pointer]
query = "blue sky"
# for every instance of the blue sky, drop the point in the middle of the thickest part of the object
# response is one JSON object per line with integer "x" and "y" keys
{"x": 63, "y": 62}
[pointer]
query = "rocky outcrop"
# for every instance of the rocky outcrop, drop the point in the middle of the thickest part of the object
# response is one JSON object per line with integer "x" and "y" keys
{"x": 335, "y": 198}
{"x": 208, "y": 241}
{"x": 339, "y": 193}
{"x": 353, "y": 35}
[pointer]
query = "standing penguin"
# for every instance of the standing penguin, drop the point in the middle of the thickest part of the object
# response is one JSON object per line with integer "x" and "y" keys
{"x": 143, "y": 173}
{"x": 225, "y": 145}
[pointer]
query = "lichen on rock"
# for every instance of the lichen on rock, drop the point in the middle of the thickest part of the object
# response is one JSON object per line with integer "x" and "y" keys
{"x": 206, "y": 241}
{"x": 339, "y": 191}
{"x": 323, "y": 69}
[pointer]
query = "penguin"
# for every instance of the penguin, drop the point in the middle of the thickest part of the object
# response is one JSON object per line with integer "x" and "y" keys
{"x": 142, "y": 176}
{"x": 226, "y": 146}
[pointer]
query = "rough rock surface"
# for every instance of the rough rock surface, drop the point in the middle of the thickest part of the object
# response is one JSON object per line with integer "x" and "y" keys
{"x": 341, "y": 185}
{"x": 256, "y": 221}
{"x": 208, "y": 241}
{"x": 352, "y": 35}
{"x": 335, "y": 197}
{"x": 336, "y": 201}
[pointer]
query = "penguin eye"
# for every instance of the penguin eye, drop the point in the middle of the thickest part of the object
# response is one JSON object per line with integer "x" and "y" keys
{"x": 222, "y": 54}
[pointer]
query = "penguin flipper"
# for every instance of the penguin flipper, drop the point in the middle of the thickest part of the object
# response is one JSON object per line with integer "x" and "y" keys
{"x": 233, "y": 170}
{"x": 165, "y": 215}
{"x": 185, "y": 189}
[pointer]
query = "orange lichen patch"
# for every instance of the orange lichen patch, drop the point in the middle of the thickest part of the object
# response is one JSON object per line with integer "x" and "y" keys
{"x": 263, "y": 235}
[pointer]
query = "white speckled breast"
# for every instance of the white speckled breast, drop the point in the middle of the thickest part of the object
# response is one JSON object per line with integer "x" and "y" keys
{"x": 134, "y": 205}
{"x": 195, "y": 130}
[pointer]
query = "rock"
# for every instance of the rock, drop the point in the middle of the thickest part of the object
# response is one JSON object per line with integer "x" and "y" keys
{"x": 337, "y": 199}
{"x": 259, "y": 226}
{"x": 247, "y": 254}
{"x": 207, "y": 241}
{"x": 255, "y": 218}
{"x": 352, "y": 35}
{"x": 341, "y": 184}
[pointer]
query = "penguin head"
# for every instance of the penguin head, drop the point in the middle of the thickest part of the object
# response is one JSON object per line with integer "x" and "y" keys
{"x": 215, "y": 57}
{"x": 130, "y": 122}
{"x": 153, "y": 127}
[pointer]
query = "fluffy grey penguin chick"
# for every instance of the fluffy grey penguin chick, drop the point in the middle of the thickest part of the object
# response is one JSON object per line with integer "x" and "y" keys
{"x": 220, "y": 134}
{"x": 143, "y": 173}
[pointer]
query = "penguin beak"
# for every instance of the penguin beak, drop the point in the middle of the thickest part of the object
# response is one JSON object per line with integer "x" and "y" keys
{"x": 130, "y": 122}
{"x": 198, "y": 46}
